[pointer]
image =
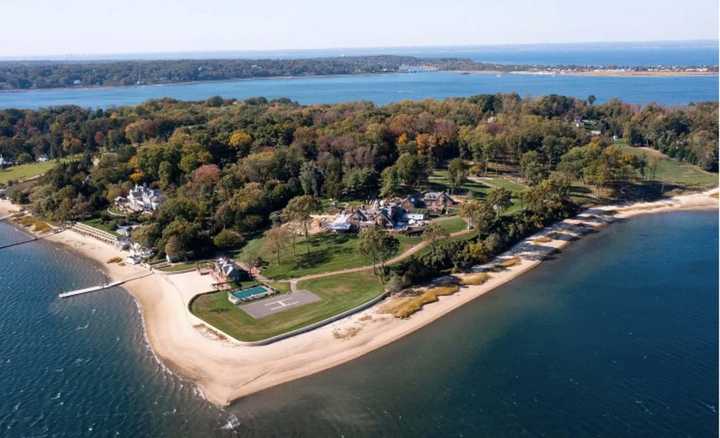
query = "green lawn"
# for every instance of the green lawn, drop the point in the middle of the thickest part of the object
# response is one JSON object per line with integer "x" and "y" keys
{"x": 439, "y": 180}
{"x": 100, "y": 224}
{"x": 338, "y": 294}
{"x": 324, "y": 252}
{"x": 452, "y": 224}
{"x": 675, "y": 172}
{"x": 478, "y": 189}
{"x": 25, "y": 171}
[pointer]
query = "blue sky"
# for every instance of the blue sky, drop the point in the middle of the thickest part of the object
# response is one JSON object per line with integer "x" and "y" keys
{"x": 86, "y": 27}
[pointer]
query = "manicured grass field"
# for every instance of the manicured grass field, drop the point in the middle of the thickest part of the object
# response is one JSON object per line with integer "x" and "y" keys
{"x": 25, "y": 171}
{"x": 479, "y": 188}
{"x": 674, "y": 171}
{"x": 452, "y": 224}
{"x": 325, "y": 252}
{"x": 338, "y": 294}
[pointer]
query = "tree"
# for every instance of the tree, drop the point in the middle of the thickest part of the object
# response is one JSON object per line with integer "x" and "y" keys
{"x": 276, "y": 239}
{"x": 457, "y": 173}
{"x": 227, "y": 239}
{"x": 412, "y": 169}
{"x": 390, "y": 182}
{"x": 240, "y": 140}
{"x": 300, "y": 209}
{"x": 361, "y": 183}
{"x": 480, "y": 215}
{"x": 500, "y": 199}
{"x": 175, "y": 248}
{"x": 377, "y": 245}
{"x": 310, "y": 177}
{"x": 531, "y": 167}
{"x": 434, "y": 232}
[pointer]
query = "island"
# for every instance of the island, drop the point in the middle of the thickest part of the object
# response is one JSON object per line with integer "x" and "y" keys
{"x": 266, "y": 240}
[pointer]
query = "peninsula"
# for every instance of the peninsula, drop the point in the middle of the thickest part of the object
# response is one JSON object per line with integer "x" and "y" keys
{"x": 265, "y": 241}
{"x": 27, "y": 75}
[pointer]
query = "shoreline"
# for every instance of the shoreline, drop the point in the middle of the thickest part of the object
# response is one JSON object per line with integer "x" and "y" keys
{"x": 225, "y": 371}
{"x": 559, "y": 72}
{"x": 593, "y": 73}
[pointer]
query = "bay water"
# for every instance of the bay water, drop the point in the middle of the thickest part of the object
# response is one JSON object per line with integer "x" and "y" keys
{"x": 616, "y": 336}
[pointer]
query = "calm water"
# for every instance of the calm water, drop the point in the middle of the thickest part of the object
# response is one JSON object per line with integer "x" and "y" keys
{"x": 616, "y": 337}
{"x": 385, "y": 88}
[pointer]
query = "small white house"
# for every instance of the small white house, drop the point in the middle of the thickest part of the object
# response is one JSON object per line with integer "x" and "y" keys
{"x": 4, "y": 162}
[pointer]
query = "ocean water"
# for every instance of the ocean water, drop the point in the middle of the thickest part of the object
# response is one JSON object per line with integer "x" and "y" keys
{"x": 384, "y": 88}
{"x": 617, "y": 336}
{"x": 667, "y": 53}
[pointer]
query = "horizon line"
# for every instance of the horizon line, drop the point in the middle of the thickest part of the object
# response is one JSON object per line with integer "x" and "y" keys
{"x": 177, "y": 55}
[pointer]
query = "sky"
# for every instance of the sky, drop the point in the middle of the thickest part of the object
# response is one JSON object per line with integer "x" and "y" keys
{"x": 35, "y": 28}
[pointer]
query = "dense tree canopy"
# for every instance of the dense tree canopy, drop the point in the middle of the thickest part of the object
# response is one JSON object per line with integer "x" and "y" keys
{"x": 228, "y": 167}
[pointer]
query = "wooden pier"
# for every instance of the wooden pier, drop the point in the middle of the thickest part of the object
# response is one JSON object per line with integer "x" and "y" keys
{"x": 88, "y": 290}
{"x": 100, "y": 287}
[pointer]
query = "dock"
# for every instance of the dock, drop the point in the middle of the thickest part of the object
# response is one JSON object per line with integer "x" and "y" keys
{"x": 88, "y": 290}
{"x": 33, "y": 239}
{"x": 100, "y": 287}
{"x": 22, "y": 242}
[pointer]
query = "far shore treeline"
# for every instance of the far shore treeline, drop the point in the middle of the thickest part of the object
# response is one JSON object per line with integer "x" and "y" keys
{"x": 26, "y": 75}
{"x": 228, "y": 168}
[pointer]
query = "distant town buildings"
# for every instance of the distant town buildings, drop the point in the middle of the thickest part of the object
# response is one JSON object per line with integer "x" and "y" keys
{"x": 408, "y": 68}
{"x": 141, "y": 199}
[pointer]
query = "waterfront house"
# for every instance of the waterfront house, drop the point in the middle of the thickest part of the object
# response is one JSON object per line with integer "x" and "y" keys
{"x": 226, "y": 270}
{"x": 138, "y": 254}
{"x": 438, "y": 202}
{"x": 141, "y": 199}
{"x": 4, "y": 162}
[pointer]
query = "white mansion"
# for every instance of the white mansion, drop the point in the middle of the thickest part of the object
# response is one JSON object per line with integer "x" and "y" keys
{"x": 140, "y": 199}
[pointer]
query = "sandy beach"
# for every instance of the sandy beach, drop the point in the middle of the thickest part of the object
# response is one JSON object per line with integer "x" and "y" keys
{"x": 225, "y": 371}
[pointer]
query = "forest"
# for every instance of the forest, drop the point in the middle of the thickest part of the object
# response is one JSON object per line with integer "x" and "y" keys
{"x": 22, "y": 75}
{"x": 25, "y": 75}
{"x": 230, "y": 169}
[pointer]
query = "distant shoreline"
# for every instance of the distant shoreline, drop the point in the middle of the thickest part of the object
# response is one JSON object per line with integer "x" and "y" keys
{"x": 596, "y": 73}
{"x": 550, "y": 73}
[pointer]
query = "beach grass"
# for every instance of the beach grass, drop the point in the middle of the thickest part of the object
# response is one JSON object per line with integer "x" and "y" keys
{"x": 32, "y": 223}
{"x": 404, "y": 308}
{"x": 337, "y": 294}
{"x": 475, "y": 279}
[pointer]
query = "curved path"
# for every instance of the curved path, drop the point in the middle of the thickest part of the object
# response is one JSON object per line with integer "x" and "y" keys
{"x": 407, "y": 253}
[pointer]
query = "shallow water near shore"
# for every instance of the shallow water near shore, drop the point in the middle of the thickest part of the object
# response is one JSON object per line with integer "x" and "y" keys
{"x": 617, "y": 336}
